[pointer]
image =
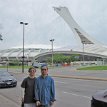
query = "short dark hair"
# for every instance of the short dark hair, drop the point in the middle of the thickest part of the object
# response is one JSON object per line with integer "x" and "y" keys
{"x": 44, "y": 67}
{"x": 31, "y": 69}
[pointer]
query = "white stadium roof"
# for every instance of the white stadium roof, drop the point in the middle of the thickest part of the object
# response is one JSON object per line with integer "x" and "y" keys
{"x": 39, "y": 46}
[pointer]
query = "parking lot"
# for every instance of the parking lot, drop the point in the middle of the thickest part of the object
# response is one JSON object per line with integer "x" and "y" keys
{"x": 69, "y": 92}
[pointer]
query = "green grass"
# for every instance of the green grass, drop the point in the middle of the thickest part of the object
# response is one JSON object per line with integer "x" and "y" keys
{"x": 84, "y": 68}
{"x": 14, "y": 67}
{"x": 94, "y": 68}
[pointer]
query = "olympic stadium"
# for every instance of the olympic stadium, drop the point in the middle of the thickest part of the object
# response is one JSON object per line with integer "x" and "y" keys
{"x": 91, "y": 50}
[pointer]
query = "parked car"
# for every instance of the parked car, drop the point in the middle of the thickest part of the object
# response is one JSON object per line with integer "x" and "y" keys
{"x": 38, "y": 64}
{"x": 99, "y": 99}
{"x": 7, "y": 80}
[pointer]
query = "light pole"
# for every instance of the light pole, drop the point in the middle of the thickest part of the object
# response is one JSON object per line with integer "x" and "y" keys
{"x": 1, "y": 37}
{"x": 83, "y": 52}
{"x": 7, "y": 64}
{"x": 52, "y": 40}
{"x": 23, "y": 45}
{"x": 0, "y": 40}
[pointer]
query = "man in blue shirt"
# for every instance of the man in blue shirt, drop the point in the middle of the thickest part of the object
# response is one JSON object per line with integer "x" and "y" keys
{"x": 44, "y": 89}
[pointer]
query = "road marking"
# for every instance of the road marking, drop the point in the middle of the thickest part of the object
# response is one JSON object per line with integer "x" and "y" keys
{"x": 10, "y": 101}
{"x": 77, "y": 95}
{"x": 61, "y": 82}
{"x": 84, "y": 85}
{"x": 77, "y": 84}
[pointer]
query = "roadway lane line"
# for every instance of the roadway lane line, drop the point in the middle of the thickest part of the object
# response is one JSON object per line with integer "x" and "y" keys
{"x": 77, "y": 84}
{"x": 6, "y": 99}
{"x": 60, "y": 82}
{"x": 84, "y": 85}
{"x": 78, "y": 95}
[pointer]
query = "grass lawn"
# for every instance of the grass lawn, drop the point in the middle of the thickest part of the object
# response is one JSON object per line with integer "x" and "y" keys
{"x": 94, "y": 68}
{"x": 14, "y": 67}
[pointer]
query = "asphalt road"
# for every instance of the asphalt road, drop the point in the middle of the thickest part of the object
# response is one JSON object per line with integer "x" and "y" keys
{"x": 69, "y": 92}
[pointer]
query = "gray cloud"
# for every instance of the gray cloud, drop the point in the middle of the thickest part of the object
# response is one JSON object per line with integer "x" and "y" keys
{"x": 45, "y": 23}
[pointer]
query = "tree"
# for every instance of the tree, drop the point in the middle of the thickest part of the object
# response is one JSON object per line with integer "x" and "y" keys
{"x": 60, "y": 58}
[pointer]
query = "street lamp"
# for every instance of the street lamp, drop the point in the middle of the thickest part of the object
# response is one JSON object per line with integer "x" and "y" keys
{"x": 1, "y": 40}
{"x": 23, "y": 45}
{"x": 7, "y": 64}
{"x": 52, "y": 40}
{"x": 83, "y": 42}
{"x": 1, "y": 37}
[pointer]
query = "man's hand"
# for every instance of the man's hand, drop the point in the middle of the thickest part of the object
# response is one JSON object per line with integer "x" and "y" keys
{"x": 51, "y": 103}
{"x": 38, "y": 103}
{"x": 22, "y": 99}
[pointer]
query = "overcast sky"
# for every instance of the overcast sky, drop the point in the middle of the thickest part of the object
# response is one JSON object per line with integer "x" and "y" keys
{"x": 45, "y": 23}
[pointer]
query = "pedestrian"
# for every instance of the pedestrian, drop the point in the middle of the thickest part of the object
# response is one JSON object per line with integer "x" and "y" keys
{"x": 28, "y": 89}
{"x": 44, "y": 89}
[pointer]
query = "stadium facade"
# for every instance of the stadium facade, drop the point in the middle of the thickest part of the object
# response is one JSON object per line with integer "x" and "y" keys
{"x": 16, "y": 53}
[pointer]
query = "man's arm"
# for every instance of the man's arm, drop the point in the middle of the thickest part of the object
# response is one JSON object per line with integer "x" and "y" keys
{"x": 22, "y": 94}
{"x": 23, "y": 86}
{"x": 52, "y": 91}
{"x": 36, "y": 90}
{"x": 36, "y": 93}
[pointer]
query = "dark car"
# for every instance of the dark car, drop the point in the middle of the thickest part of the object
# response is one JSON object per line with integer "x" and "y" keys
{"x": 7, "y": 80}
{"x": 99, "y": 99}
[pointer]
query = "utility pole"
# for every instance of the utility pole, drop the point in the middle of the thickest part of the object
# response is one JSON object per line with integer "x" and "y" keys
{"x": 23, "y": 45}
{"x": 52, "y": 40}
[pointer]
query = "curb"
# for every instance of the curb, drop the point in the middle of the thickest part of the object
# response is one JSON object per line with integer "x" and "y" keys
{"x": 81, "y": 77}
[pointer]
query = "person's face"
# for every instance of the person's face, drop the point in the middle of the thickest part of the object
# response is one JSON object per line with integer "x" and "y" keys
{"x": 32, "y": 72}
{"x": 44, "y": 71}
